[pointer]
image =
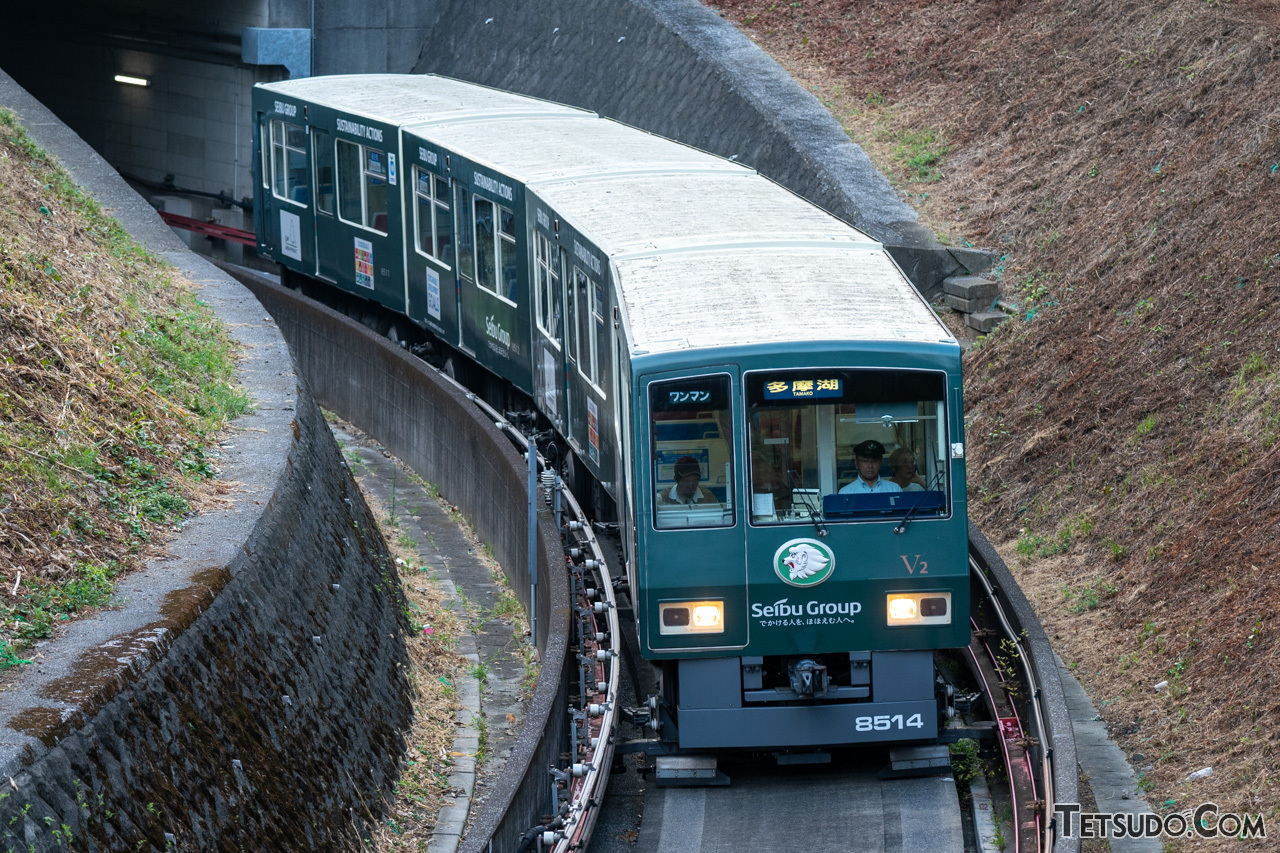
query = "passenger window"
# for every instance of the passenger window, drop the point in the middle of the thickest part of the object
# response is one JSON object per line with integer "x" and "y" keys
{"x": 571, "y": 313}
{"x": 495, "y": 230}
{"x": 362, "y": 186}
{"x": 350, "y": 199}
{"x": 691, "y": 434}
{"x": 375, "y": 181}
{"x": 289, "y": 162}
{"x": 431, "y": 215}
{"x": 589, "y": 296}
{"x": 547, "y": 282}
{"x": 486, "y": 246}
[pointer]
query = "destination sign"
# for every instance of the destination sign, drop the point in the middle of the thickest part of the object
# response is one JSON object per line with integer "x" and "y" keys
{"x": 802, "y": 389}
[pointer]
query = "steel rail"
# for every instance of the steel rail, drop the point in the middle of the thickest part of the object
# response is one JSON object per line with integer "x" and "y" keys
{"x": 1035, "y": 702}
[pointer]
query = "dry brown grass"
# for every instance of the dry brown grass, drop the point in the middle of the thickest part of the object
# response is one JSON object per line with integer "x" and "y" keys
{"x": 114, "y": 382}
{"x": 434, "y": 670}
{"x": 1124, "y": 432}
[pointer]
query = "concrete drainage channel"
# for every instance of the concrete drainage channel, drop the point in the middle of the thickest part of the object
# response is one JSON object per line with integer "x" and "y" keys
{"x": 491, "y": 682}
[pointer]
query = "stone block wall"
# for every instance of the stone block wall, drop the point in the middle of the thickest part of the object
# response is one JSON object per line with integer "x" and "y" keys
{"x": 270, "y": 715}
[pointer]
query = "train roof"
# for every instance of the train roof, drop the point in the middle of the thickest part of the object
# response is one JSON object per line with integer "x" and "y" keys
{"x": 403, "y": 99}
{"x": 690, "y": 236}
{"x": 693, "y": 236}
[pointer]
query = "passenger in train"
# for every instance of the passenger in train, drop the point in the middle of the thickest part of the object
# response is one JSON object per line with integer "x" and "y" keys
{"x": 902, "y": 462}
{"x": 687, "y": 474}
{"x": 867, "y": 456}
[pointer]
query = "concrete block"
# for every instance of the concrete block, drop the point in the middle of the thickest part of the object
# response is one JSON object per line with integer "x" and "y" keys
{"x": 976, "y": 261}
{"x": 971, "y": 287}
{"x": 985, "y": 321}
{"x": 968, "y": 306}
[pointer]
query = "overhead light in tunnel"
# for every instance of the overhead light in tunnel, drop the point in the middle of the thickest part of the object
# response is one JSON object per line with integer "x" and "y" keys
{"x": 132, "y": 81}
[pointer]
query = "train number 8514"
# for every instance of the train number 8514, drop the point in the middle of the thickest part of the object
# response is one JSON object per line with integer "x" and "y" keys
{"x": 884, "y": 722}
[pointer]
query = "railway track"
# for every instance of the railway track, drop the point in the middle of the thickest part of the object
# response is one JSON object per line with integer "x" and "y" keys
{"x": 1002, "y": 659}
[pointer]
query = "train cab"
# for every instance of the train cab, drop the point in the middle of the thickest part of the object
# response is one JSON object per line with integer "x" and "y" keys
{"x": 790, "y": 600}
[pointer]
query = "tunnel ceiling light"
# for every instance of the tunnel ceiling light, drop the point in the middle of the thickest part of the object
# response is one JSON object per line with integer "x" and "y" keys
{"x": 132, "y": 81}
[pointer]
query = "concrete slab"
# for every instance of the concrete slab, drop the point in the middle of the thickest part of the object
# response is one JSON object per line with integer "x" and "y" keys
{"x": 838, "y": 808}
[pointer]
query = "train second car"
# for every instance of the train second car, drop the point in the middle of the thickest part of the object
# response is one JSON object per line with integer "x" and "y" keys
{"x": 749, "y": 385}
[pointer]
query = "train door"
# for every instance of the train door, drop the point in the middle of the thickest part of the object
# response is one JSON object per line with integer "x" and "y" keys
{"x": 549, "y": 323}
{"x": 432, "y": 293}
{"x": 692, "y": 549}
{"x": 468, "y": 337}
{"x": 264, "y": 215}
{"x": 570, "y": 347}
{"x": 290, "y": 181}
{"x": 327, "y": 231}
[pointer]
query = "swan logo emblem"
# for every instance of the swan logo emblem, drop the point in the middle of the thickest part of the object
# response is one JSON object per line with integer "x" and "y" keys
{"x": 804, "y": 562}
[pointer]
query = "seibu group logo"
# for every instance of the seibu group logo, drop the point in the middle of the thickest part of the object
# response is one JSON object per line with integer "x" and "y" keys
{"x": 804, "y": 562}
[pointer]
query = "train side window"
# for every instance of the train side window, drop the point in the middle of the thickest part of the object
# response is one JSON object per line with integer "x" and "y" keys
{"x": 350, "y": 183}
{"x": 486, "y": 246}
{"x": 444, "y": 220}
{"x": 691, "y": 442}
{"x": 599, "y": 338}
{"x": 322, "y": 154}
{"x": 289, "y": 163}
{"x": 375, "y": 190}
{"x": 495, "y": 232}
{"x": 589, "y": 330}
{"x": 507, "y": 253}
{"x": 571, "y": 314}
{"x": 362, "y": 186}
{"x": 547, "y": 282}
{"x": 431, "y": 215}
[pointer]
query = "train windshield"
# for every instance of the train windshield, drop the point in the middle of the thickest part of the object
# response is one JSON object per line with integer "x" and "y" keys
{"x": 847, "y": 445}
{"x": 692, "y": 450}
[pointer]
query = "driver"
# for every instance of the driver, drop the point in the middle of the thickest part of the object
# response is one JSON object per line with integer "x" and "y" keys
{"x": 867, "y": 456}
{"x": 687, "y": 474}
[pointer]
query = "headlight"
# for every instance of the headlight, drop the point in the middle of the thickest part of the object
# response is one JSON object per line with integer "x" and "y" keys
{"x": 692, "y": 617}
{"x": 918, "y": 608}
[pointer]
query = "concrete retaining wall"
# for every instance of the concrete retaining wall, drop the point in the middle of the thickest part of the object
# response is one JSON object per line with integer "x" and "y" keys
{"x": 677, "y": 69}
{"x": 430, "y": 425}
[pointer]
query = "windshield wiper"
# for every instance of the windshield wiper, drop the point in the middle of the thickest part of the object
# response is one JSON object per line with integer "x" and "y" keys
{"x": 815, "y": 517}
{"x": 901, "y": 527}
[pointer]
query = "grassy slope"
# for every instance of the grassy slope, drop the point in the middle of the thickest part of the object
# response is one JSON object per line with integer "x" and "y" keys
{"x": 1125, "y": 160}
{"x": 114, "y": 380}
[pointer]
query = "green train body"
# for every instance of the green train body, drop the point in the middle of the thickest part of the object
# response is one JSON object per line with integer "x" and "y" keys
{"x": 677, "y": 319}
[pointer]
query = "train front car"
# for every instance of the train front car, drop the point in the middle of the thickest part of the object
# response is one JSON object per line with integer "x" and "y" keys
{"x": 792, "y": 592}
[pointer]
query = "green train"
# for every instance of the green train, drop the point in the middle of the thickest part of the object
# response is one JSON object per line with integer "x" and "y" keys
{"x": 751, "y": 385}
